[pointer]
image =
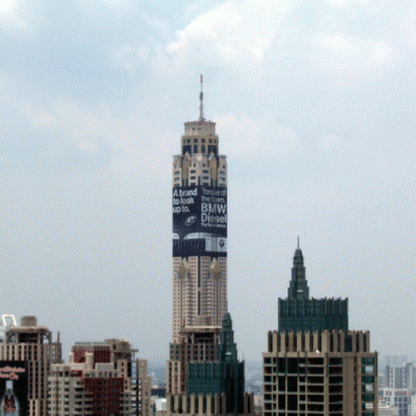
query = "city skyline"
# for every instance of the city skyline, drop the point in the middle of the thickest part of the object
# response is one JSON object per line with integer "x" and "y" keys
{"x": 314, "y": 110}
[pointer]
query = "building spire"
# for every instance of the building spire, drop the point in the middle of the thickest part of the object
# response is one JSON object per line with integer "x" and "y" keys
{"x": 201, "y": 102}
{"x": 298, "y": 288}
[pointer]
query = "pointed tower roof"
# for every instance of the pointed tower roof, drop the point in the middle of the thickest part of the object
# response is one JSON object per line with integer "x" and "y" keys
{"x": 298, "y": 288}
{"x": 228, "y": 348}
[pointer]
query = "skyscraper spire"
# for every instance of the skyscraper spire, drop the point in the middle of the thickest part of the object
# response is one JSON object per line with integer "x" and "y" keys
{"x": 298, "y": 288}
{"x": 201, "y": 102}
{"x": 299, "y": 312}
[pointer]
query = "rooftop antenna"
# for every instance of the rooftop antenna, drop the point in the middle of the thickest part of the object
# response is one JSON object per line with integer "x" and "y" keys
{"x": 298, "y": 241}
{"x": 201, "y": 103}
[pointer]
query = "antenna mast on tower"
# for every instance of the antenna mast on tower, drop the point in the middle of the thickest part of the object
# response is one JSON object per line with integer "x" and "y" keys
{"x": 201, "y": 103}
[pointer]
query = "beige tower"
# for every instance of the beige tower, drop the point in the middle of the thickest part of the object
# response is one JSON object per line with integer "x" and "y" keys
{"x": 199, "y": 205}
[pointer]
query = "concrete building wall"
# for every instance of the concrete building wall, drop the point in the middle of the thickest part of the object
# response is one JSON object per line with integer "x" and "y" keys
{"x": 145, "y": 401}
{"x": 209, "y": 405}
{"x": 86, "y": 386}
{"x": 199, "y": 286}
{"x": 327, "y": 373}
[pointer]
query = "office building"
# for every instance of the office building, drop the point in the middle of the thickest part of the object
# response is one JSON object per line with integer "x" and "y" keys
{"x": 26, "y": 354}
{"x": 314, "y": 365}
{"x": 101, "y": 379}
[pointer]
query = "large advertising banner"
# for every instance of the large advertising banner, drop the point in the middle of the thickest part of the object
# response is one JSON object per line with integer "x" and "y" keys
{"x": 200, "y": 213}
{"x": 13, "y": 388}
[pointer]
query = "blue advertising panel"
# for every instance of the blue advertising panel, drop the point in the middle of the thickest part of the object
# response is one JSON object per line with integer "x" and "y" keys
{"x": 199, "y": 213}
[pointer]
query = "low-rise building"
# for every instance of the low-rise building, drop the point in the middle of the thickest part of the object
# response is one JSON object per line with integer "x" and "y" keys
{"x": 101, "y": 379}
{"x": 398, "y": 398}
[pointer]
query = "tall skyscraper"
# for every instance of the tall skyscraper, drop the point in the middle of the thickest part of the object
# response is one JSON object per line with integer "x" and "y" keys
{"x": 314, "y": 365}
{"x": 199, "y": 203}
{"x": 203, "y": 373}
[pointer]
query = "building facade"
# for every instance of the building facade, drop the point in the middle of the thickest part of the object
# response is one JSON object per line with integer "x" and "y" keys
{"x": 314, "y": 365}
{"x": 401, "y": 399}
{"x": 100, "y": 379}
{"x": 319, "y": 373}
{"x": 195, "y": 370}
{"x": 399, "y": 377}
{"x": 26, "y": 355}
{"x": 214, "y": 387}
{"x": 298, "y": 312}
{"x": 199, "y": 205}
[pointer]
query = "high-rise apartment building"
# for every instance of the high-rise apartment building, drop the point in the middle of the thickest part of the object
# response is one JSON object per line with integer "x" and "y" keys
{"x": 314, "y": 365}
{"x": 101, "y": 379}
{"x": 399, "y": 377}
{"x": 320, "y": 373}
{"x": 26, "y": 354}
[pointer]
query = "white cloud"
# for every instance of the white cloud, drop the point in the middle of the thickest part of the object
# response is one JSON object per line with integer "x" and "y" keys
{"x": 373, "y": 6}
{"x": 351, "y": 54}
{"x": 63, "y": 114}
{"x": 87, "y": 147}
{"x": 6, "y": 6}
{"x": 339, "y": 3}
{"x": 84, "y": 129}
{"x": 37, "y": 116}
{"x": 10, "y": 17}
{"x": 256, "y": 138}
{"x": 329, "y": 143}
{"x": 239, "y": 33}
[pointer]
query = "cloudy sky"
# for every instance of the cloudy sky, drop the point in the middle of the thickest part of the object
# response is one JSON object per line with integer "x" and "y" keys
{"x": 315, "y": 109}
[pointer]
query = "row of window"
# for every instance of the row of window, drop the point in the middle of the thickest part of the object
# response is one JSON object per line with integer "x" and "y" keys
{"x": 195, "y": 140}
